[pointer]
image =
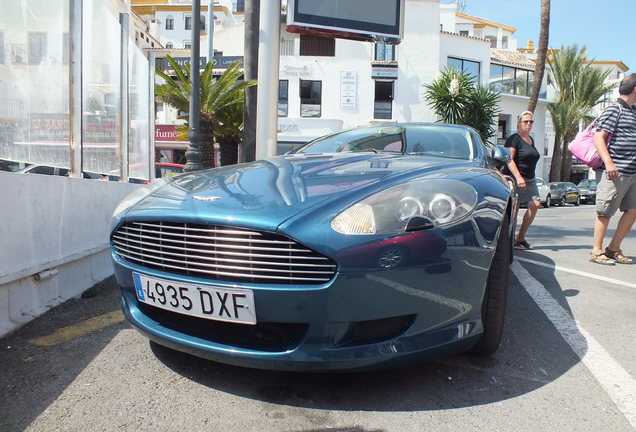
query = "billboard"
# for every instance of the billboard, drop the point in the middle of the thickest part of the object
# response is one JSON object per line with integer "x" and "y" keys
{"x": 367, "y": 20}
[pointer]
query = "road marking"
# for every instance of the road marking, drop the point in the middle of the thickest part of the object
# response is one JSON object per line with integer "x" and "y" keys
{"x": 615, "y": 380}
{"x": 578, "y": 272}
{"x": 70, "y": 332}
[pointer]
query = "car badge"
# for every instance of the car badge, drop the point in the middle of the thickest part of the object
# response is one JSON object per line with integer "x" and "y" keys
{"x": 206, "y": 198}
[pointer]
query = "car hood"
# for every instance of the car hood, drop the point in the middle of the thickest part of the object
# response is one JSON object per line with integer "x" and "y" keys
{"x": 265, "y": 193}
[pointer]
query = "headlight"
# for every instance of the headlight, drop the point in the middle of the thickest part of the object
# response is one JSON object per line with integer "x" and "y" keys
{"x": 442, "y": 202}
{"x": 139, "y": 194}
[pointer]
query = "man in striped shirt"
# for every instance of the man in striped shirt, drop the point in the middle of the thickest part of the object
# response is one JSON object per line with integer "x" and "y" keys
{"x": 617, "y": 187}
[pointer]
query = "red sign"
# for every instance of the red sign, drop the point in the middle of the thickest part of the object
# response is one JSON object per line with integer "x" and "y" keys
{"x": 166, "y": 133}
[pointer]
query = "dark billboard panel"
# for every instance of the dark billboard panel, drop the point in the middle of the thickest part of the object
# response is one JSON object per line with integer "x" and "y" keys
{"x": 348, "y": 19}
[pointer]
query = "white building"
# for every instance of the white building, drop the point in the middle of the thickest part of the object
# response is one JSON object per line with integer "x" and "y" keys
{"x": 332, "y": 84}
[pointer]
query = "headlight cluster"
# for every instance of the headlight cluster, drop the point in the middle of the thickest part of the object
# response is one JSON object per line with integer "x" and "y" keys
{"x": 439, "y": 201}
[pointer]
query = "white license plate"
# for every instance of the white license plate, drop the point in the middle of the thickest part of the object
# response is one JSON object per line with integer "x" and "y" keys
{"x": 203, "y": 301}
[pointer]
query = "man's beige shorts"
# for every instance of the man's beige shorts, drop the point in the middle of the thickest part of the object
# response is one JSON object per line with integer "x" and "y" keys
{"x": 612, "y": 195}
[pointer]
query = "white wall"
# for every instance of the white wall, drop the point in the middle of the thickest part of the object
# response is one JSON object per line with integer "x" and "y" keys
{"x": 57, "y": 223}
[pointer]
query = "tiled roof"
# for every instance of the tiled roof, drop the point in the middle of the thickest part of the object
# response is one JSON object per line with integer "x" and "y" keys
{"x": 512, "y": 58}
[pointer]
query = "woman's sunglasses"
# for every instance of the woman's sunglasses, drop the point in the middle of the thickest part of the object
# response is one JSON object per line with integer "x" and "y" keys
{"x": 527, "y": 121}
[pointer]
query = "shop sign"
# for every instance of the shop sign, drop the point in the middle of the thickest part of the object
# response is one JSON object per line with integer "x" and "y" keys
{"x": 348, "y": 86}
{"x": 164, "y": 132}
{"x": 384, "y": 72}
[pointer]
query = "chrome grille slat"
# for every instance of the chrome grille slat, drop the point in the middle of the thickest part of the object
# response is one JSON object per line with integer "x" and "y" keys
{"x": 221, "y": 266}
{"x": 230, "y": 253}
{"x": 208, "y": 243}
{"x": 243, "y": 240}
{"x": 212, "y": 258}
{"x": 232, "y": 274}
{"x": 221, "y": 253}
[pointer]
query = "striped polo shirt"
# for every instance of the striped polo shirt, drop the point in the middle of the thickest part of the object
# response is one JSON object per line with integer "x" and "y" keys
{"x": 622, "y": 147}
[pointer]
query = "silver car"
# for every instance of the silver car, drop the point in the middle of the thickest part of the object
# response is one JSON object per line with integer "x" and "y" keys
{"x": 544, "y": 193}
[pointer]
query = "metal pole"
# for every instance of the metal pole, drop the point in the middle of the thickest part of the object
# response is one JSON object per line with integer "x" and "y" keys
{"x": 268, "y": 69}
{"x": 75, "y": 87}
{"x": 124, "y": 120}
{"x": 193, "y": 154}
{"x": 250, "y": 66}
{"x": 151, "y": 112}
{"x": 210, "y": 27}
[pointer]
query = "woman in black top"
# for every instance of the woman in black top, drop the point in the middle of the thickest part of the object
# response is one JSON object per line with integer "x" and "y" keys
{"x": 524, "y": 161}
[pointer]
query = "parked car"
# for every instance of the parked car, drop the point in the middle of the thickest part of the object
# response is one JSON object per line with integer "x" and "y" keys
{"x": 565, "y": 193}
{"x": 367, "y": 248}
{"x": 587, "y": 188}
{"x": 545, "y": 196}
{"x": 162, "y": 169}
{"x": 57, "y": 171}
{"x": 13, "y": 166}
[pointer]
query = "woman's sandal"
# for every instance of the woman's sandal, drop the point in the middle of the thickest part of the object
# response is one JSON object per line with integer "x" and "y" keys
{"x": 601, "y": 258}
{"x": 618, "y": 256}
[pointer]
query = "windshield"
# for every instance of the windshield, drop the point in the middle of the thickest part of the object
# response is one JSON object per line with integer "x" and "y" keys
{"x": 435, "y": 140}
{"x": 557, "y": 186}
{"x": 587, "y": 183}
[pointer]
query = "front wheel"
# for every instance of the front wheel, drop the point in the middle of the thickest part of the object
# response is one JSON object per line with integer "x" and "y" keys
{"x": 493, "y": 308}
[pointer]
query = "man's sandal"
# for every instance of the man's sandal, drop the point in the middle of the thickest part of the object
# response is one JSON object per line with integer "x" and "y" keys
{"x": 618, "y": 256}
{"x": 601, "y": 258}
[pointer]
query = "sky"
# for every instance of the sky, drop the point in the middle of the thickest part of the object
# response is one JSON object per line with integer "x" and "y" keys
{"x": 607, "y": 28}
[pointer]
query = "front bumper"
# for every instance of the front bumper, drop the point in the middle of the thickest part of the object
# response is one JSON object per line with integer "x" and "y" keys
{"x": 360, "y": 320}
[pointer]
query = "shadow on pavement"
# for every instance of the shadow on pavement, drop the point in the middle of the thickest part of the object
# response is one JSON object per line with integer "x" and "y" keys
{"x": 532, "y": 355}
{"x": 33, "y": 376}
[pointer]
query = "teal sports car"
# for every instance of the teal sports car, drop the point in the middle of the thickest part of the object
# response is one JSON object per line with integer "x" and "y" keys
{"x": 368, "y": 248}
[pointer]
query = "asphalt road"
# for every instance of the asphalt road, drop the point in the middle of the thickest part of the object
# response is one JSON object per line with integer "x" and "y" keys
{"x": 567, "y": 363}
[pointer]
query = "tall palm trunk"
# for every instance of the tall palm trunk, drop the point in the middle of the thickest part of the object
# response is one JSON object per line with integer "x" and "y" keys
{"x": 542, "y": 51}
{"x": 555, "y": 164}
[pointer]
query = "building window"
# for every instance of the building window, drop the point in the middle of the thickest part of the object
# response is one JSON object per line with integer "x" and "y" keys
{"x": 310, "y": 98}
{"x": 187, "y": 44}
{"x": 283, "y": 98}
{"x": 37, "y": 47}
{"x": 463, "y": 32}
{"x": 202, "y": 26}
{"x": 188, "y": 23}
{"x": 383, "y": 102}
{"x": 169, "y": 45}
{"x": 169, "y": 23}
{"x": 384, "y": 52}
{"x": 510, "y": 80}
{"x": 287, "y": 47}
{"x": 317, "y": 46}
{"x": 470, "y": 67}
{"x": 239, "y": 5}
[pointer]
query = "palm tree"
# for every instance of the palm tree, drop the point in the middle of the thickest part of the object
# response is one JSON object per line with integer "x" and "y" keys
{"x": 580, "y": 87}
{"x": 455, "y": 98}
{"x": 542, "y": 51}
{"x": 217, "y": 97}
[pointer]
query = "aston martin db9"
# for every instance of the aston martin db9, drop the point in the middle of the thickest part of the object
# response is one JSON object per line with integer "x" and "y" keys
{"x": 368, "y": 248}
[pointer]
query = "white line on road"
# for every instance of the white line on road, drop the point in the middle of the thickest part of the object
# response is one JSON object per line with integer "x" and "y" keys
{"x": 616, "y": 381}
{"x": 578, "y": 272}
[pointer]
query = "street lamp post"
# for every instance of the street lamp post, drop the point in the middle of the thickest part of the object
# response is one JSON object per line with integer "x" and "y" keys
{"x": 193, "y": 153}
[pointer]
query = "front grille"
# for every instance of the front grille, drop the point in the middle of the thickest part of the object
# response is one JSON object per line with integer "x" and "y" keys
{"x": 221, "y": 253}
{"x": 264, "y": 336}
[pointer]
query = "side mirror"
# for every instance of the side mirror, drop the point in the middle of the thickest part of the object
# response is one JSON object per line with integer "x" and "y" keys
{"x": 500, "y": 155}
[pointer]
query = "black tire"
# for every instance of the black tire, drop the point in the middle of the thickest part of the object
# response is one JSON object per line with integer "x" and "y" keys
{"x": 493, "y": 308}
{"x": 548, "y": 202}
